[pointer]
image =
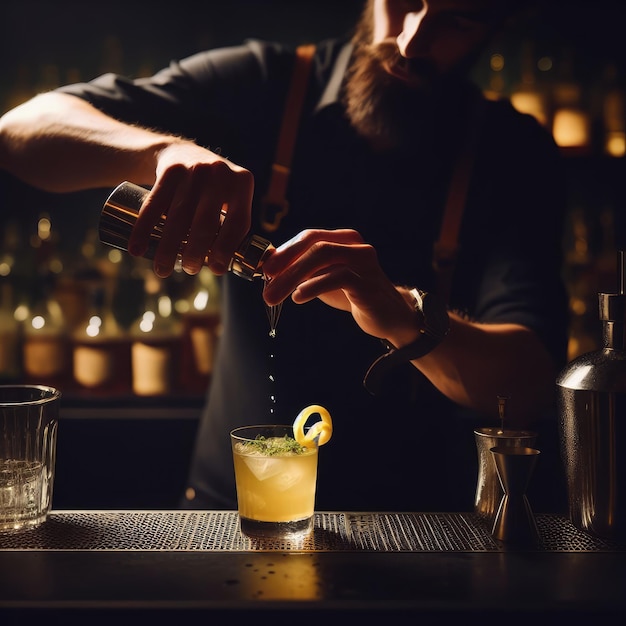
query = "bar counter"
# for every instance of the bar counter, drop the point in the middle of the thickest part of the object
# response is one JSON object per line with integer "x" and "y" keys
{"x": 93, "y": 567}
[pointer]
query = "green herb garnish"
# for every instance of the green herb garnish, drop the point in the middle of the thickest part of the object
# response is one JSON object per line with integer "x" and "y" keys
{"x": 274, "y": 446}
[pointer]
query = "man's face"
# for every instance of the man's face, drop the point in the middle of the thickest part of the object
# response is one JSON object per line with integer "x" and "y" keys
{"x": 440, "y": 33}
{"x": 406, "y": 52}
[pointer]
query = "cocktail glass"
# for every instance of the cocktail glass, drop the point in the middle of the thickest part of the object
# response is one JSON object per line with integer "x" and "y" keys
{"x": 276, "y": 480}
{"x": 28, "y": 435}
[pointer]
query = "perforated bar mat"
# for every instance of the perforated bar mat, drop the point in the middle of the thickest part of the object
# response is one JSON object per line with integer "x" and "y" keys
{"x": 219, "y": 531}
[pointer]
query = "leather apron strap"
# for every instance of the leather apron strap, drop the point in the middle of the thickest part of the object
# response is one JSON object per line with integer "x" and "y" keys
{"x": 275, "y": 205}
{"x": 445, "y": 249}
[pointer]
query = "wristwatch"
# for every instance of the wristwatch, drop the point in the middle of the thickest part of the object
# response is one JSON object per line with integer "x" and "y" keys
{"x": 436, "y": 324}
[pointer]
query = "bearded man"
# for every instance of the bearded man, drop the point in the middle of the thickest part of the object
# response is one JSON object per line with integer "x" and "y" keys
{"x": 419, "y": 248}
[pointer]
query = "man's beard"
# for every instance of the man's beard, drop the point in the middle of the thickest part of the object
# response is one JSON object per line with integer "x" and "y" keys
{"x": 383, "y": 109}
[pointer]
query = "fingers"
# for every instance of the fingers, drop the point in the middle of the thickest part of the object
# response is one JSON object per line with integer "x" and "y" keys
{"x": 306, "y": 239}
{"x": 235, "y": 224}
{"x": 197, "y": 219}
{"x": 318, "y": 261}
{"x": 342, "y": 271}
{"x": 154, "y": 207}
{"x": 207, "y": 214}
{"x": 335, "y": 279}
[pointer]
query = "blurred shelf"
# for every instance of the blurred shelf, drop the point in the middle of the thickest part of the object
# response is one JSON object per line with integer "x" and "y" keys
{"x": 92, "y": 406}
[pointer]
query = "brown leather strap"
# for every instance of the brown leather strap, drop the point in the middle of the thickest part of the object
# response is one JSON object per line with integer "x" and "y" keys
{"x": 275, "y": 206}
{"x": 445, "y": 249}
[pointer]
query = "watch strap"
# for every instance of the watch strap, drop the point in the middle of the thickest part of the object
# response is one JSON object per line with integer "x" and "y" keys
{"x": 436, "y": 326}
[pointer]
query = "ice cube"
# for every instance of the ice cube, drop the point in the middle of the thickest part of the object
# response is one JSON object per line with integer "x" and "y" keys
{"x": 261, "y": 466}
{"x": 288, "y": 479}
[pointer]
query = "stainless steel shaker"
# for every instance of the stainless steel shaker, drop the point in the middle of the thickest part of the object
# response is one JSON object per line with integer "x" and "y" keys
{"x": 119, "y": 215}
{"x": 592, "y": 423}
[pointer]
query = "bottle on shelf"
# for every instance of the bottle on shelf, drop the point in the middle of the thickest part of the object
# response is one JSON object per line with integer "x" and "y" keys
{"x": 571, "y": 123}
{"x": 101, "y": 348}
{"x": 495, "y": 82}
{"x": 528, "y": 96}
{"x": 201, "y": 328}
{"x": 46, "y": 351}
{"x": 10, "y": 327}
{"x": 10, "y": 340}
{"x": 155, "y": 343}
{"x": 613, "y": 113}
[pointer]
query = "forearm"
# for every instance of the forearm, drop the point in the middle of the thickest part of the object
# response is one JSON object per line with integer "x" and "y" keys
{"x": 60, "y": 143}
{"x": 476, "y": 363}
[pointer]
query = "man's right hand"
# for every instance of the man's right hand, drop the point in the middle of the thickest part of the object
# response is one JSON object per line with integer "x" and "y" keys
{"x": 207, "y": 200}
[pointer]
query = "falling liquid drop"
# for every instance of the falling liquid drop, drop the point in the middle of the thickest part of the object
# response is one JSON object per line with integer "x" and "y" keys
{"x": 273, "y": 313}
{"x": 272, "y": 380}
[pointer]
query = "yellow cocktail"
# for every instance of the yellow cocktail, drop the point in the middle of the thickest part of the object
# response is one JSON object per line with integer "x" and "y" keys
{"x": 275, "y": 478}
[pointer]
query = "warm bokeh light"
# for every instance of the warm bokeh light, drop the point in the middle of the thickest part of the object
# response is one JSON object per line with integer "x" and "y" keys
{"x": 531, "y": 102}
{"x": 44, "y": 227}
{"x": 545, "y": 64}
{"x": 570, "y": 128}
{"x": 496, "y": 62}
{"x": 615, "y": 144}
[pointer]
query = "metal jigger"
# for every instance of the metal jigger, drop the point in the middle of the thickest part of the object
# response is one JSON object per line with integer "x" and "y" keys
{"x": 515, "y": 521}
{"x": 488, "y": 488}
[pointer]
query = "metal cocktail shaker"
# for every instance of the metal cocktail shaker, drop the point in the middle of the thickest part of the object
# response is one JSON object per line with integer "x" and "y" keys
{"x": 592, "y": 412}
{"x": 119, "y": 215}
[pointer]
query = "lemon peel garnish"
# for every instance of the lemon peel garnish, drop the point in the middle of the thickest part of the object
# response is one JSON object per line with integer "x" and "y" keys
{"x": 319, "y": 433}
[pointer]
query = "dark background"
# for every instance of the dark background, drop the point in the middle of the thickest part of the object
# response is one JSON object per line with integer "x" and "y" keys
{"x": 46, "y": 43}
{"x": 56, "y": 42}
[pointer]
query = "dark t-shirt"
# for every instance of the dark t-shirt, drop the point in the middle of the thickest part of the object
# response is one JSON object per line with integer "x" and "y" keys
{"x": 408, "y": 448}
